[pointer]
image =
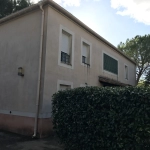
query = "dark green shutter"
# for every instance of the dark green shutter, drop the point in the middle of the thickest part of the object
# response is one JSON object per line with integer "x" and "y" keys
{"x": 110, "y": 64}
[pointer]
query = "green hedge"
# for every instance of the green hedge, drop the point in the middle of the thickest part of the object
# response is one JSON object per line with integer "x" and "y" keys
{"x": 95, "y": 118}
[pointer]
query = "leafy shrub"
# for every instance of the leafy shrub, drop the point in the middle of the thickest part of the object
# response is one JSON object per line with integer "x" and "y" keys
{"x": 95, "y": 118}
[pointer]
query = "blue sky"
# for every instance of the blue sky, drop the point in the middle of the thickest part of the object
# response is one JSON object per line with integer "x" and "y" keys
{"x": 114, "y": 20}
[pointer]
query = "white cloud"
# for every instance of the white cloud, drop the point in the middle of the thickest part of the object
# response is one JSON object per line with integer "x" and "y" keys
{"x": 137, "y": 9}
{"x": 68, "y": 2}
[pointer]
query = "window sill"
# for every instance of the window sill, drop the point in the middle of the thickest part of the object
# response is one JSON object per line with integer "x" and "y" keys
{"x": 70, "y": 66}
{"x": 65, "y": 63}
{"x": 85, "y": 64}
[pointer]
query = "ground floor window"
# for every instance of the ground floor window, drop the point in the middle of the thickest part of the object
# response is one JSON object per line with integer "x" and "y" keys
{"x": 64, "y": 85}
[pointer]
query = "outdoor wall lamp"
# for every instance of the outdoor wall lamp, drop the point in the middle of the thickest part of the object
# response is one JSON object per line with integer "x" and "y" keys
{"x": 20, "y": 71}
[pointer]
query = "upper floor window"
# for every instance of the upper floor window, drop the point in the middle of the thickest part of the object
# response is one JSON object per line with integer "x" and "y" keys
{"x": 110, "y": 64}
{"x": 66, "y": 48}
{"x": 126, "y": 72}
{"x": 86, "y": 52}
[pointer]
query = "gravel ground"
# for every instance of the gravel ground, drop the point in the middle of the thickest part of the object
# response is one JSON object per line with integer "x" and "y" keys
{"x": 10, "y": 141}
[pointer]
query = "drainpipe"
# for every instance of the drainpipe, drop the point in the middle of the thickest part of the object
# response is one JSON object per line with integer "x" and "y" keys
{"x": 39, "y": 73}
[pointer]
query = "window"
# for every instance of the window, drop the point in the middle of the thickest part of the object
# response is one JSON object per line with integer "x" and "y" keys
{"x": 126, "y": 72}
{"x": 110, "y": 64}
{"x": 86, "y": 52}
{"x": 64, "y": 87}
{"x": 66, "y": 47}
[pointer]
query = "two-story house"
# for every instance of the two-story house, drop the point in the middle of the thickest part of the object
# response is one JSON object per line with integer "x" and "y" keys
{"x": 43, "y": 49}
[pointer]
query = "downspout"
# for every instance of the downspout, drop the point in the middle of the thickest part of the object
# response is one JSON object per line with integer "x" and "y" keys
{"x": 39, "y": 74}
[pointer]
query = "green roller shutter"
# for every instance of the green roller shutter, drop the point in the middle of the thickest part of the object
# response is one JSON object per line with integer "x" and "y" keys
{"x": 110, "y": 64}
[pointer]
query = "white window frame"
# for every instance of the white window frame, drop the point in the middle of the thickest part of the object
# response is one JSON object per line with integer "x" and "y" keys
{"x": 125, "y": 72}
{"x": 105, "y": 71}
{"x": 71, "y": 66}
{"x": 63, "y": 82}
{"x": 90, "y": 45}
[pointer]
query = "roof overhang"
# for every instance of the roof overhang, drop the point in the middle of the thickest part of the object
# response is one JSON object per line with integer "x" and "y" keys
{"x": 106, "y": 80}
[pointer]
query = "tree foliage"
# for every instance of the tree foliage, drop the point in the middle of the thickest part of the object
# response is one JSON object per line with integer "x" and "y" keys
{"x": 10, "y": 6}
{"x": 138, "y": 49}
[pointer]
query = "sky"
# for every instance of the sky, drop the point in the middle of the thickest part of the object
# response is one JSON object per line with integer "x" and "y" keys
{"x": 114, "y": 20}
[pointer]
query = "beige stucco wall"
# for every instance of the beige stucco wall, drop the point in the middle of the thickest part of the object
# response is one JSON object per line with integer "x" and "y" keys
{"x": 79, "y": 74}
{"x": 19, "y": 47}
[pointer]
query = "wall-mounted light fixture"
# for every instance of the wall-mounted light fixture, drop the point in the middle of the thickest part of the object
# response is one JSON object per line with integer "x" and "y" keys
{"x": 20, "y": 71}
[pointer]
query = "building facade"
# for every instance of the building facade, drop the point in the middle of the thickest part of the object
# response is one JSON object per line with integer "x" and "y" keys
{"x": 54, "y": 51}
